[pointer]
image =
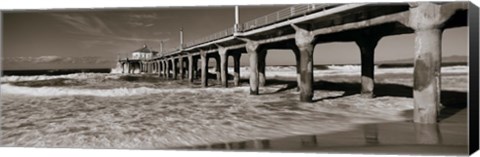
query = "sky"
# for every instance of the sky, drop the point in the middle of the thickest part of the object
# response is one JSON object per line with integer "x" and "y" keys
{"x": 96, "y": 38}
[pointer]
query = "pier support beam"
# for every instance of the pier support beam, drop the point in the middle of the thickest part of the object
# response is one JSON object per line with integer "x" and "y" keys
{"x": 149, "y": 67}
{"x": 204, "y": 67}
{"x": 160, "y": 69}
{"x": 154, "y": 67}
{"x": 167, "y": 69}
{"x": 304, "y": 42}
{"x": 180, "y": 67}
{"x": 223, "y": 66}
{"x": 217, "y": 69}
{"x": 174, "y": 69}
{"x": 252, "y": 50}
{"x": 297, "y": 62}
{"x": 261, "y": 67}
{"x": 123, "y": 67}
{"x": 427, "y": 19}
{"x": 190, "y": 67}
{"x": 128, "y": 68}
{"x": 236, "y": 69}
{"x": 195, "y": 67}
{"x": 367, "y": 42}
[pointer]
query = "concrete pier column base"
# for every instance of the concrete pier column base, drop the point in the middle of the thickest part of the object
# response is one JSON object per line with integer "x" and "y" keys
{"x": 195, "y": 68}
{"x": 427, "y": 19}
{"x": 217, "y": 69}
{"x": 190, "y": 68}
{"x": 160, "y": 68}
{"x": 236, "y": 69}
{"x": 167, "y": 69}
{"x": 174, "y": 69}
{"x": 180, "y": 68}
{"x": 297, "y": 62}
{"x": 304, "y": 42}
{"x": 426, "y": 75}
{"x": 367, "y": 42}
{"x": 223, "y": 66}
{"x": 204, "y": 67}
{"x": 427, "y": 134}
{"x": 252, "y": 50}
{"x": 128, "y": 68}
{"x": 261, "y": 67}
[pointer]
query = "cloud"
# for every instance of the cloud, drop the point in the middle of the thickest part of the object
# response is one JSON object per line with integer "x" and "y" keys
{"x": 144, "y": 19}
{"x": 108, "y": 34}
{"x": 149, "y": 16}
{"x": 57, "y": 60}
{"x": 85, "y": 24}
{"x": 140, "y": 24}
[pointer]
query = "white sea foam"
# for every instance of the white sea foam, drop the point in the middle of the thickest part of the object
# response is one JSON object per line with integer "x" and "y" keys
{"x": 45, "y": 77}
{"x": 345, "y": 70}
{"x": 270, "y": 72}
{"x": 116, "y": 92}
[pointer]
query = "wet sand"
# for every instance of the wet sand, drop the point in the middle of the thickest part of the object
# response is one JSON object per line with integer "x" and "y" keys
{"x": 445, "y": 138}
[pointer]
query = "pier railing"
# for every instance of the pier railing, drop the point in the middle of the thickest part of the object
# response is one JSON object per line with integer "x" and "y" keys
{"x": 281, "y": 15}
{"x": 284, "y": 14}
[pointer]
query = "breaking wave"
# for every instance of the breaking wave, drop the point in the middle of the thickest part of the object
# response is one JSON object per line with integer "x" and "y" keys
{"x": 271, "y": 72}
{"x": 77, "y": 76}
{"x": 116, "y": 92}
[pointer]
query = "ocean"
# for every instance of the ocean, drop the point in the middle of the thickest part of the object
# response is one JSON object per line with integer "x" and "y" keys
{"x": 133, "y": 111}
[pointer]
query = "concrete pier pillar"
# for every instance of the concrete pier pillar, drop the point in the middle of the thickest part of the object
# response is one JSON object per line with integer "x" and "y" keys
{"x": 190, "y": 67}
{"x": 297, "y": 63}
{"x": 236, "y": 69}
{"x": 123, "y": 67}
{"x": 426, "y": 75}
{"x": 261, "y": 67}
{"x": 204, "y": 67}
{"x": 185, "y": 66}
{"x": 195, "y": 67}
{"x": 155, "y": 67}
{"x": 304, "y": 42}
{"x": 174, "y": 69}
{"x": 149, "y": 67}
{"x": 252, "y": 50}
{"x": 367, "y": 43}
{"x": 180, "y": 67}
{"x": 427, "y": 134}
{"x": 217, "y": 69}
{"x": 167, "y": 69}
{"x": 427, "y": 19}
{"x": 223, "y": 66}
{"x": 128, "y": 67}
{"x": 160, "y": 68}
{"x": 143, "y": 67}
{"x": 164, "y": 69}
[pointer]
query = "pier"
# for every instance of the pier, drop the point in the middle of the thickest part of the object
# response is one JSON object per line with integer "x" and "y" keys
{"x": 299, "y": 28}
